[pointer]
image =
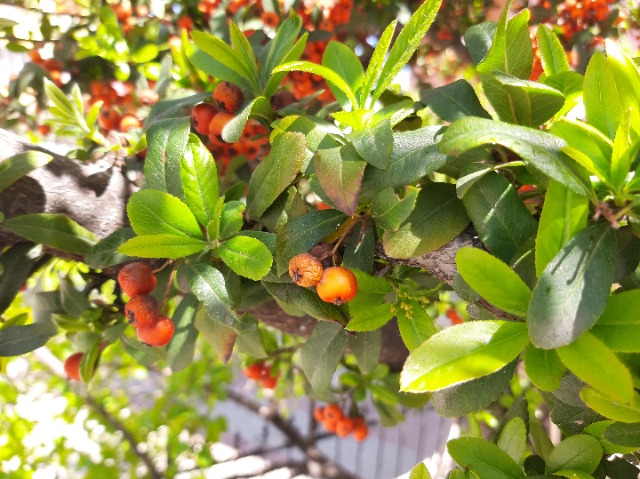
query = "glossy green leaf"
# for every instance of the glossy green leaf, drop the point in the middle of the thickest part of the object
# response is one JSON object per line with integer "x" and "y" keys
{"x": 366, "y": 315}
{"x": 281, "y": 45}
{"x": 573, "y": 289}
{"x": 602, "y": 111}
{"x": 276, "y": 172}
{"x": 494, "y": 280}
{"x": 305, "y": 301}
{"x": 374, "y": 144}
{"x": 595, "y": 364}
{"x": 544, "y": 368}
{"x": 199, "y": 180}
{"x": 627, "y": 77}
{"x": 359, "y": 252}
{"x": 344, "y": 62}
{"x": 478, "y": 40}
{"x": 625, "y": 150}
{"x": 552, "y": 55}
{"x": 17, "y": 340}
{"x": 521, "y": 102}
{"x": 340, "y": 171}
{"x": 619, "y": 325}
{"x": 513, "y": 439}
{"x": 375, "y": 64}
{"x": 17, "y": 166}
{"x": 453, "y": 101}
{"x": 511, "y": 50}
{"x": 167, "y": 140}
{"x": 105, "y": 252}
{"x": 243, "y": 52}
{"x": 56, "y": 230}
{"x": 231, "y": 218}
{"x": 366, "y": 348}
{"x": 610, "y": 408}
{"x": 246, "y": 256}
{"x": 258, "y": 107}
{"x": 474, "y": 395}
{"x": 16, "y": 264}
{"x": 222, "y": 338}
{"x": 293, "y": 54}
{"x": 419, "y": 471}
{"x": 405, "y": 44}
{"x": 390, "y": 211}
{"x": 161, "y": 246}
{"x": 321, "y": 354}
{"x": 483, "y": 458}
{"x": 154, "y": 212}
{"x": 461, "y": 353}
{"x": 437, "y": 218}
{"x": 564, "y": 214}
{"x": 181, "y": 348}
{"x": 539, "y": 149}
{"x": 499, "y": 215}
{"x": 300, "y": 234}
{"x": 89, "y": 362}
{"x": 581, "y": 452}
{"x": 414, "y": 323}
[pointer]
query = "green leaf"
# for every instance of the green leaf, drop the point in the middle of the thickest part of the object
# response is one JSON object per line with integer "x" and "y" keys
{"x": 484, "y": 458}
{"x": 461, "y": 353}
{"x": 625, "y": 150}
{"x": 419, "y": 471}
{"x": 414, "y": 323}
{"x": 375, "y": 64}
{"x": 222, "y": 338}
{"x": 406, "y": 44}
{"x": 360, "y": 248}
{"x": 340, "y": 171}
{"x": 513, "y": 439}
{"x": 453, "y": 101}
{"x": 564, "y": 214}
{"x": 366, "y": 349}
{"x": 305, "y": 300}
{"x": 293, "y": 54}
{"x": 619, "y": 325}
{"x": 327, "y": 73}
{"x": 573, "y": 290}
{"x": 300, "y": 234}
{"x": 494, "y": 280}
{"x": 438, "y": 217}
{"x": 478, "y": 39}
{"x": 259, "y": 107}
{"x": 153, "y": 212}
{"x": 209, "y": 286}
{"x": 521, "y": 102}
{"x": 181, "y": 349}
{"x": 512, "y": 50}
{"x": 167, "y": 140}
{"x": 280, "y": 46}
{"x": 611, "y": 408}
{"x": 89, "y": 362}
{"x": 246, "y": 256}
{"x": 374, "y": 144}
{"x": 252, "y": 343}
{"x": 16, "y": 264}
{"x": 602, "y": 111}
{"x": 17, "y": 166}
{"x": 321, "y": 354}
{"x": 552, "y": 55}
{"x": 161, "y": 246}
{"x": 581, "y": 452}
{"x": 544, "y": 368}
{"x": 244, "y": 53}
{"x": 276, "y": 172}
{"x": 177, "y": 109}
{"x": 231, "y": 219}
{"x": 56, "y": 230}
{"x": 624, "y": 434}
{"x": 539, "y": 149}
{"x": 368, "y": 310}
{"x": 627, "y": 78}
{"x": 474, "y": 395}
{"x": 343, "y": 61}
{"x": 390, "y": 211}
{"x": 502, "y": 220}
{"x": 17, "y": 340}
{"x": 73, "y": 301}
{"x": 199, "y": 180}
{"x": 105, "y": 252}
{"x": 590, "y": 360}
{"x": 415, "y": 154}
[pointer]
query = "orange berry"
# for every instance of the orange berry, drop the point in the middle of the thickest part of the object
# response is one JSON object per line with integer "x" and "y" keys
{"x": 360, "y": 432}
{"x": 227, "y": 96}
{"x": 129, "y": 122}
{"x": 330, "y": 425}
{"x": 108, "y": 119}
{"x": 337, "y": 285}
{"x": 305, "y": 270}
{"x": 267, "y": 379}
{"x": 332, "y": 412}
{"x": 344, "y": 426}
{"x": 218, "y": 122}
{"x": 253, "y": 371}
{"x": 453, "y": 315}
{"x": 318, "y": 414}
{"x": 72, "y": 366}
{"x": 185, "y": 23}
{"x": 136, "y": 278}
{"x": 201, "y": 115}
{"x": 142, "y": 311}
{"x": 270, "y": 19}
{"x": 158, "y": 335}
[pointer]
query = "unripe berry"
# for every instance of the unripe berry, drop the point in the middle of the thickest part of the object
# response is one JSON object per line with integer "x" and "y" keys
{"x": 136, "y": 278}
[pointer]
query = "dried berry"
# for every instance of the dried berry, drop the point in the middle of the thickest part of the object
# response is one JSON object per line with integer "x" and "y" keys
{"x": 305, "y": 270}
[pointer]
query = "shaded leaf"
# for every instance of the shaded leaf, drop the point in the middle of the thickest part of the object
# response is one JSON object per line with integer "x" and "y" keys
{"x": 17, "y": 166}
{"x": 321, "y": 354}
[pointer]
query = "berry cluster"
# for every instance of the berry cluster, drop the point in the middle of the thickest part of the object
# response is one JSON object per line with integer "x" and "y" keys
{"x": 143, "y": 311}
{"x": 335, "y": 284}
{"x": 577, "y": 15}
{"x": 262, "y": 373}
{"x": 334, "y": 421}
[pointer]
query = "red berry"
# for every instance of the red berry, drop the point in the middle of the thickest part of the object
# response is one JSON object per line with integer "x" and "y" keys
{"x": 142, "y": 311}
{"x": 254, "y": 371}
{"x": 136, "y": 278}
{"x": 201, "y": 115}
{"x": 72, "y": 366}
{"x": 227, "y": 96}
{"x": 158, "y": 335}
